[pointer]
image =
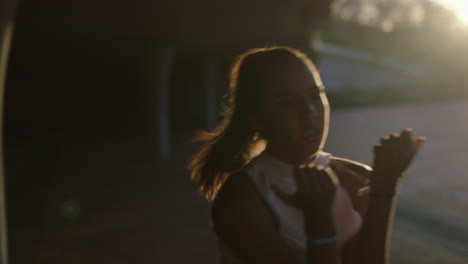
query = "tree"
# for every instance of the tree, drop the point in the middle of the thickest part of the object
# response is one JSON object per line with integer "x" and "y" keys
{"x": 392, "y": 14}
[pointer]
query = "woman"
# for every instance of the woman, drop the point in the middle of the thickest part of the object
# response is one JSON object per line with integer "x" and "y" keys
{"x": 293, "y": 203}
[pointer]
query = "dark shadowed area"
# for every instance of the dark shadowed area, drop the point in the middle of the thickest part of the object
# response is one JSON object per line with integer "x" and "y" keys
{"x": 103, "y": 97}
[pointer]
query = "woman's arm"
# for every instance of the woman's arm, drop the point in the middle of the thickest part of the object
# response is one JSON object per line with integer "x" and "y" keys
{"x": 376, "y": 231}
{"x": 392, "y": 157}
{"x": 373, "y": 239}
{"x": 322, "y": 244}
{"x": 372, "y": 243}
{"x": 244, "y": 223}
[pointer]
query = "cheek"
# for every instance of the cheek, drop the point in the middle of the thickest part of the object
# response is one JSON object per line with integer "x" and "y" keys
{"x": 283, "y": 126}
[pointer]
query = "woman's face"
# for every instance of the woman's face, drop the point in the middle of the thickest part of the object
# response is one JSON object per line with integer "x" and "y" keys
{"x": 294, "y": 112}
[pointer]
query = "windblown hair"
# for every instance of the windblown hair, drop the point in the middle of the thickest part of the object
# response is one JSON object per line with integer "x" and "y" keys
{"x": 233, "y": 143}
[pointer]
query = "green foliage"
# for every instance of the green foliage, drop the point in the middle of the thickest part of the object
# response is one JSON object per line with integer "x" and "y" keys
{"x": 388, "y": 15}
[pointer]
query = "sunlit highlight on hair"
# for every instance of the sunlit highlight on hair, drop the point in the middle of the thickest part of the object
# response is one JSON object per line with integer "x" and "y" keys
{"x": 233, "y": 143}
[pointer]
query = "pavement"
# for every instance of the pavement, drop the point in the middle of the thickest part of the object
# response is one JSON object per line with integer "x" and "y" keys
{"x": 431, "y": 221}
{"x": 115, "y": 202}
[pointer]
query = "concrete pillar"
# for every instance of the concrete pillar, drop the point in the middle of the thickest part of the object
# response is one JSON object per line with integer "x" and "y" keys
{"x": 210, "y": 85}
{"x": 7, "y": 11}
{"x": 165, "y": 63}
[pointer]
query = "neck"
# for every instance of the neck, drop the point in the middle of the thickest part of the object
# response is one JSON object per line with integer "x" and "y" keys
{"x": 290, "y": 158}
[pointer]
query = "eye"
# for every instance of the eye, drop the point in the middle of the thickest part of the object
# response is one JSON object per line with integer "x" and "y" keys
{"x": 286, "y": 100}
{"x": 315, "y": 97}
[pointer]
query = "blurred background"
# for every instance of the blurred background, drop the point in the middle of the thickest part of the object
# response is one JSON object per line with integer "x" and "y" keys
{"x": 102, "y": 98}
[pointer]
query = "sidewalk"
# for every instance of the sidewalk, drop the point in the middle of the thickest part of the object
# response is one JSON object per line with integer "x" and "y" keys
{"x": 431, "y": 223}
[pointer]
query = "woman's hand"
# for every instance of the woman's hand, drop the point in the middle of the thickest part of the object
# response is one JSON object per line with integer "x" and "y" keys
{"x": 392, "y": 157}
{"x": 314, "y": 196}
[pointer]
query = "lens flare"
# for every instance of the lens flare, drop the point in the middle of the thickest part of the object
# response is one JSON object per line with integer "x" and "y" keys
{"x": 462, "y": 13}
{"x": 460, "y": 7}
{"x": 69, "y": 209}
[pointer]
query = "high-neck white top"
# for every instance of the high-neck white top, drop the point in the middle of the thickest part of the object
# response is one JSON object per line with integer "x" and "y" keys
{"x": 266, "y": 171}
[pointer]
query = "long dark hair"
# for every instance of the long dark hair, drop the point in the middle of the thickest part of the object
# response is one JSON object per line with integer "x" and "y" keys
{"x": 233, "y": 143}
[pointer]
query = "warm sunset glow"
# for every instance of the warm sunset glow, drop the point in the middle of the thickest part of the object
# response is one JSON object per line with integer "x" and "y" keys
{"x": 462, "y": 12}
{"x": 460, "y": 7}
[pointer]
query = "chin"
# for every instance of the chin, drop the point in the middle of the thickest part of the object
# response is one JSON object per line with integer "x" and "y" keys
{"x": 311, "y": 153}
{"x": 307, "y": 153}
{"x": 312, "y": 147}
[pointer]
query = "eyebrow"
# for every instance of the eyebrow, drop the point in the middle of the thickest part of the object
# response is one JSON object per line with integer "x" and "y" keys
{"x": 314, "y": 88}
{"x": 317, "y": 88}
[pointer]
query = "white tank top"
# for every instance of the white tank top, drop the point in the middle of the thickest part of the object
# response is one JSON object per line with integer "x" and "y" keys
{"x": 266, "y": 171}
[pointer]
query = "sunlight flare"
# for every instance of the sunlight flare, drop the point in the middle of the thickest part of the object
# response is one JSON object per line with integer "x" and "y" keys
{"x": 460, "y": 7}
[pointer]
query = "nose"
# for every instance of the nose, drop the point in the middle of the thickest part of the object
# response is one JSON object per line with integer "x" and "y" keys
{"x": 311, "y": 108}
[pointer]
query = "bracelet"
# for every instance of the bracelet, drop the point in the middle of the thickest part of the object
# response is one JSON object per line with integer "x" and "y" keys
{"x": 321, "y": 241}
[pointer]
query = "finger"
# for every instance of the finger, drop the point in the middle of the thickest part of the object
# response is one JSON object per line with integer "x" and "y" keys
{"x": 304, "y": 180}
{"x": 417, "y": 143}
{"x": 377, "y": 152}
{"x": 298, "y": 178}
{"x": 290, "y": 199}
{"x": 383, "y": 140}
{"x": 402, "y": 147}
{"x": 319, "y": 181}
{"x": 328, "y": 186}
{"x": 332, "y": 175}
{"x": 406, "y": 145}
{"x": 377, "y": 148}
{"x": 325, "y": 179}
{"x": 406, "y": 137}
{"x": 410, "y": 144}
{"x": 391, "y": 147}
{"x": 313, "y": 179}
{"x": 396, "y": 144}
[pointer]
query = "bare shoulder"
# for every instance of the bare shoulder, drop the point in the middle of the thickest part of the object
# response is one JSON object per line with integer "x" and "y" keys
{"x": 236, "y": 190}
{"x": 237, "y": 200}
